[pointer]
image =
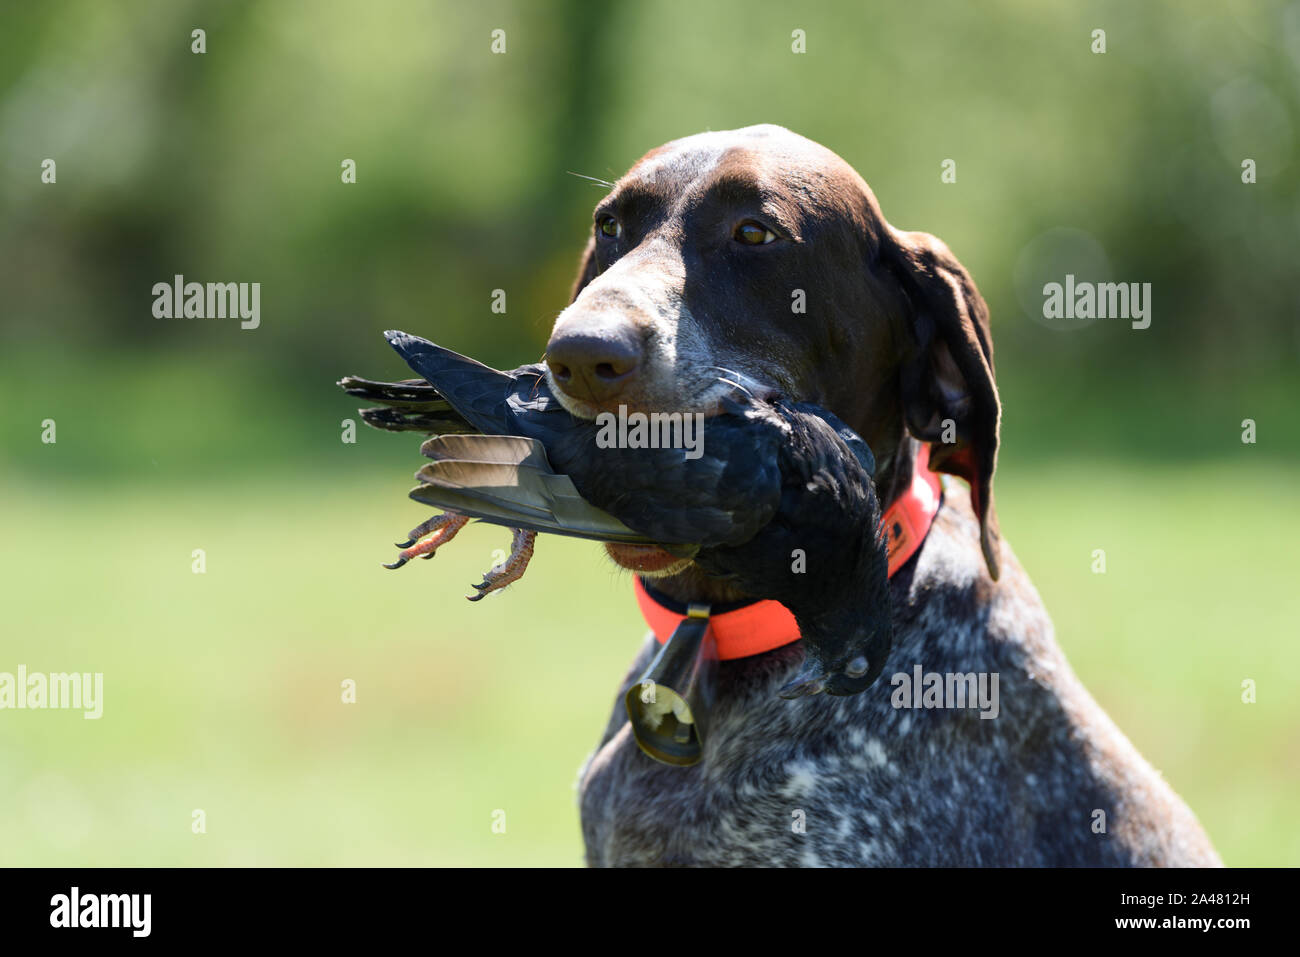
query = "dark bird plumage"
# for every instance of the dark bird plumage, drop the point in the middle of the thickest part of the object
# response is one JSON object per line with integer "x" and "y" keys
{"x": 778, "y": 500}
{"x": 476, "y": 470}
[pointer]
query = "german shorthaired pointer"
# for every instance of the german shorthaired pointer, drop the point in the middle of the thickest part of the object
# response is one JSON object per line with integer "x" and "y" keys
{"x": 759, "y": 253}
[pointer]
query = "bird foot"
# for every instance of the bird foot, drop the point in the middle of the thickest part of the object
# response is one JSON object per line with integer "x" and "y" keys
{"x": 510, "y": 570}
{"x": 441, "y": 529}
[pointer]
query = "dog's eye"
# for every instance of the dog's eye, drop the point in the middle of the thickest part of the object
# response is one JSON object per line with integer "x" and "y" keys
{"x": 753, "y": 234}
{"x": 609, "y": 226}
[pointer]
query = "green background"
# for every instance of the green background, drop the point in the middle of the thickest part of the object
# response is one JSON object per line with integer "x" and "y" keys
{"x": 222, "y": 690}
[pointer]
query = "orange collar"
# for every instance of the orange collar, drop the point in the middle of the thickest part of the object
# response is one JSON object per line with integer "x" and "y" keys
{"x": 760, "y": 626}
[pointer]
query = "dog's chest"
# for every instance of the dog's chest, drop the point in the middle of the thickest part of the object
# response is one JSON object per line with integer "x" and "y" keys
{"x": 789, "y": 801}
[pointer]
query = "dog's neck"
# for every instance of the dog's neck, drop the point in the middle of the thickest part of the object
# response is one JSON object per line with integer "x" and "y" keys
{"x": 893, "y": 477}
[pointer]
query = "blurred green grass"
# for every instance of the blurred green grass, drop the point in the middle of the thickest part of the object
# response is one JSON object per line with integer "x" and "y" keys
{"x": 222, "y": 690}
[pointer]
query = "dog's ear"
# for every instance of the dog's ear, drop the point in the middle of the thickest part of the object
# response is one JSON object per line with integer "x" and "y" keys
{"x": 950, "y": 398}
{"x": 586, "y": 271}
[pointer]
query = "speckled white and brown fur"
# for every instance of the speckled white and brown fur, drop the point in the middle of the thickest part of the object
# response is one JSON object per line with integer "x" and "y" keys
{"x": 885, "y": 787}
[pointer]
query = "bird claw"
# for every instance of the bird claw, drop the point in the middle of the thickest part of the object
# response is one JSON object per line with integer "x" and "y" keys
{"x": 440, "y": 530}
{"x": 443, "y": 528}
{"x": 510, "y": 570}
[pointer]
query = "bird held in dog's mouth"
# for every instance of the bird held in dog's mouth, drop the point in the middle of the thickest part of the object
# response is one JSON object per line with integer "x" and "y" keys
{"x": 776, "y": 499}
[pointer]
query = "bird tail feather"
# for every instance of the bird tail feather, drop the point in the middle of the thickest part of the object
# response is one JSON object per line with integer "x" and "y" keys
{"x": 411, "y": 405}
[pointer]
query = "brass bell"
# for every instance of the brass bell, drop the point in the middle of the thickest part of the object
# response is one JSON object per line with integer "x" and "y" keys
{"x": 669, "y": 705}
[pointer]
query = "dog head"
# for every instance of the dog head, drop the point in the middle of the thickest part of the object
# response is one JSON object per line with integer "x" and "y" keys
{"x": 756, "y": 258}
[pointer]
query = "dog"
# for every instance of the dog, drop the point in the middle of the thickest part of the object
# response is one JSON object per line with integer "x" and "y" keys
{"x": 759, "y": 255}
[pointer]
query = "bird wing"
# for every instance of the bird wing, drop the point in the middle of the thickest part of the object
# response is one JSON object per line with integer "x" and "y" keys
{"x": 476, "y": 391}
{"x": 507, "y": 480}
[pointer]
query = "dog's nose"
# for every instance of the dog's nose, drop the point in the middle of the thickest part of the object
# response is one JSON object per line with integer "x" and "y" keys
{"x": 594, "y": 361}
